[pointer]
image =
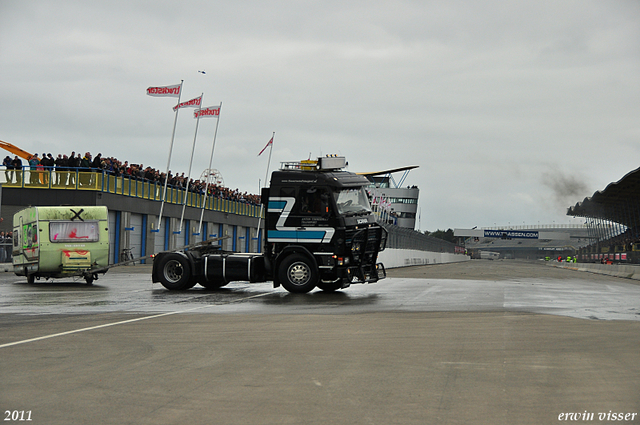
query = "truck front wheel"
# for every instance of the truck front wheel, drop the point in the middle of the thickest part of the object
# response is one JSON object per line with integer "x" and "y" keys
{"x": 297, "y": 274}
{"x": 175, "y": 272}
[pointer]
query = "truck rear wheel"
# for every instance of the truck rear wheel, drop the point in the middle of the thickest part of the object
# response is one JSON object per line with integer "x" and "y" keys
{"x": 297, "y": 274}
{"x": 175, "y": 272}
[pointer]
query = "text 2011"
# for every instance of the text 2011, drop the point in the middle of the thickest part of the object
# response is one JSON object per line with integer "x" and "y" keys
{"x": 17, "y": 415}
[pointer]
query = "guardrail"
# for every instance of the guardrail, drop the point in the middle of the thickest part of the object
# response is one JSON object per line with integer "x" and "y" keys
{"x": 120, "y": 185}
{"x": 409, "y": 239}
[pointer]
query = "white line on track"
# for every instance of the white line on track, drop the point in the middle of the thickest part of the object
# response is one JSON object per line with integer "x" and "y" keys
{"x": 106, "y": 325}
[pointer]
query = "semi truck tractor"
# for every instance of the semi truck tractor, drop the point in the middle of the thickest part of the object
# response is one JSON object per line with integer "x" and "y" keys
{"x": 319, "y": 232}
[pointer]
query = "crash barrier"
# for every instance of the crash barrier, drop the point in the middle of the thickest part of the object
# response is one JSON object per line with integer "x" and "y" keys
{"x": 403, "y": 238}
{"x": 618, "y": 270}
{"x": 120, "y": 185}
{"x": 407, "y": 247}
{"x": 392, "y": 258}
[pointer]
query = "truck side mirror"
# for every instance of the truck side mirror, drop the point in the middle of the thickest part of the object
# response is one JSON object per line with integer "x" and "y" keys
{"x": 264, "y": 196}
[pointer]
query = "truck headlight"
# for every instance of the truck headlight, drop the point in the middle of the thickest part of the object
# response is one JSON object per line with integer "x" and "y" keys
{"x": 355, "y": 247}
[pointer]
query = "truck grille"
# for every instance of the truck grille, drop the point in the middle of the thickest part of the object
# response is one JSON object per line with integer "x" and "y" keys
{"x": 365, "y": 244}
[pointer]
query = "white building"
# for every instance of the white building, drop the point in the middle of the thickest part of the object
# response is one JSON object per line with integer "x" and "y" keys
{"x": 400, "y": 204}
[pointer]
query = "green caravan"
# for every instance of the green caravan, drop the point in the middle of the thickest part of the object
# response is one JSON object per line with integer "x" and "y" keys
{"x": 55, "y": 242}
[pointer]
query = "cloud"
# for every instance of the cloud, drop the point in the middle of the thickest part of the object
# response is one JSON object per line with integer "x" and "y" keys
{"x": 478, "y": 94}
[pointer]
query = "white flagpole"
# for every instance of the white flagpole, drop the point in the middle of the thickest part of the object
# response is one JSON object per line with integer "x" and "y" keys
{"x": 193, "y": 148}
{"x": 266, "y": 177}
{"x": 166, "y": 176}
{"x": 206, "y": 187}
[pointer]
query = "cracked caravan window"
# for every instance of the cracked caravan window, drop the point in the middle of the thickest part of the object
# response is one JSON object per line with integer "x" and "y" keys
{"x": 73, "y": 231}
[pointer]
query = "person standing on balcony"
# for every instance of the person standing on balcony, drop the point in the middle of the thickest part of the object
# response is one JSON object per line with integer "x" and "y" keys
{"x": 59, "y": 164}
{"x": 17, "y": 169}
{"x": 8, "y": 169}
{"x": 96, "y": 164}
{"x": 72, "y": 166}
{"x": 96, "y": 167}
{"x": 34, "y": 162}
{"x": 47, "y": 164}
{"x": 85, "y": 168}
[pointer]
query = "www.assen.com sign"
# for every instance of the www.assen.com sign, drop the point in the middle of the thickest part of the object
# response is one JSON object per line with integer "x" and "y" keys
{"x": 510, "y": 234}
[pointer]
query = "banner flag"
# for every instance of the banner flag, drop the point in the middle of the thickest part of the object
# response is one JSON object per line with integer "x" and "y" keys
{"x": 193, "y": 103}
{"x": 208, "y": 112}
{"x": 268, "y": 144}
{"x": 166, "y": 91}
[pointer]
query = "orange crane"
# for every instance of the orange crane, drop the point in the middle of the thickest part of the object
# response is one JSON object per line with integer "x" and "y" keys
{"x": 15, "y": 150}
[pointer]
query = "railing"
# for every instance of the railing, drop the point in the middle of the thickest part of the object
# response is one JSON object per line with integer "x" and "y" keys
{"x": 534, "y": 227}
{"x": 119, "y": 185}
{"x": 403, "y": 238}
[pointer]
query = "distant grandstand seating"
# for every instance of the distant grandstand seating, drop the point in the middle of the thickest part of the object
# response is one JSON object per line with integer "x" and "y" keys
{"x": 613, "y": 218}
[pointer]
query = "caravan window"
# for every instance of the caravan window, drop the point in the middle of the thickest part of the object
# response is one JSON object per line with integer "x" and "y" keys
{"x": 73, "y": 231}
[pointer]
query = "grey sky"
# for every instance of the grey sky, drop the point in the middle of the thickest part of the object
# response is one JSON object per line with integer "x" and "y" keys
{"x": 513, "y": 110}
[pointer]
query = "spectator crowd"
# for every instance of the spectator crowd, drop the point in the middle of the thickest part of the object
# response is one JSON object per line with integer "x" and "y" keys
{"x": 5, "y": 246}
{"x": 63, "y": 170}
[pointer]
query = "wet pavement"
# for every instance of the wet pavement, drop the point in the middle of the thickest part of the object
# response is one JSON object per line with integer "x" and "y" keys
{"x": 129, "y": 289}
{"x": 471, "y": 343}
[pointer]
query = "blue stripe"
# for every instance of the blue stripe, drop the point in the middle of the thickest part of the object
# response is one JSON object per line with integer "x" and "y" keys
{"x": 277, "y": 205}
{"x": 301, "y": 235}
{"x": 311, "y": 234}
{"x": 285, "y": 234}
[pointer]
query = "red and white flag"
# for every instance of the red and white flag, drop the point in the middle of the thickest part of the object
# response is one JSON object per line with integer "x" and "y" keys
{"x": 268, "y": 144}
{"x": 166, "y": 91}
{"x": 208, "y": 112}
{"x": 193, "y": 103}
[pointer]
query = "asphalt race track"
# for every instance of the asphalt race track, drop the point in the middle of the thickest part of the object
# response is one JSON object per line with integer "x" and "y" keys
{"x": 482, "y": 342}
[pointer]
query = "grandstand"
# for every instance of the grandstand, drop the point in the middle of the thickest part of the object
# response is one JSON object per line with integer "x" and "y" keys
{"x": 612, "y": 217}
{"x": 525, "y": 242}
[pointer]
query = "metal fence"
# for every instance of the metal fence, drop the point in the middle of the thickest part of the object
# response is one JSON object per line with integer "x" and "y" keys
{"x": 403, "y": 238}
{"x": 100, "y": 181}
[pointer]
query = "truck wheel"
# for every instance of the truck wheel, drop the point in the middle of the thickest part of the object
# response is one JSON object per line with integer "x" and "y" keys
{"x": 297, "y": 274}
{"x": 175, "y": 272}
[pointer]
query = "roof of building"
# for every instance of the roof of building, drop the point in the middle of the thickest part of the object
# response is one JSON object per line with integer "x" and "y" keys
{"x": 610, "y": 203}
{"x": 393, "y": 170}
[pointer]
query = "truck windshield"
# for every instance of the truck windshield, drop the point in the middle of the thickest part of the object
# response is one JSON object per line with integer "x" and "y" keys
{"x": 352, "y": 201}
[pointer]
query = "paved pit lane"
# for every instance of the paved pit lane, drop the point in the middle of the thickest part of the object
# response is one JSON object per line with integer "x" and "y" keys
{"x": 478, "y": 342}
